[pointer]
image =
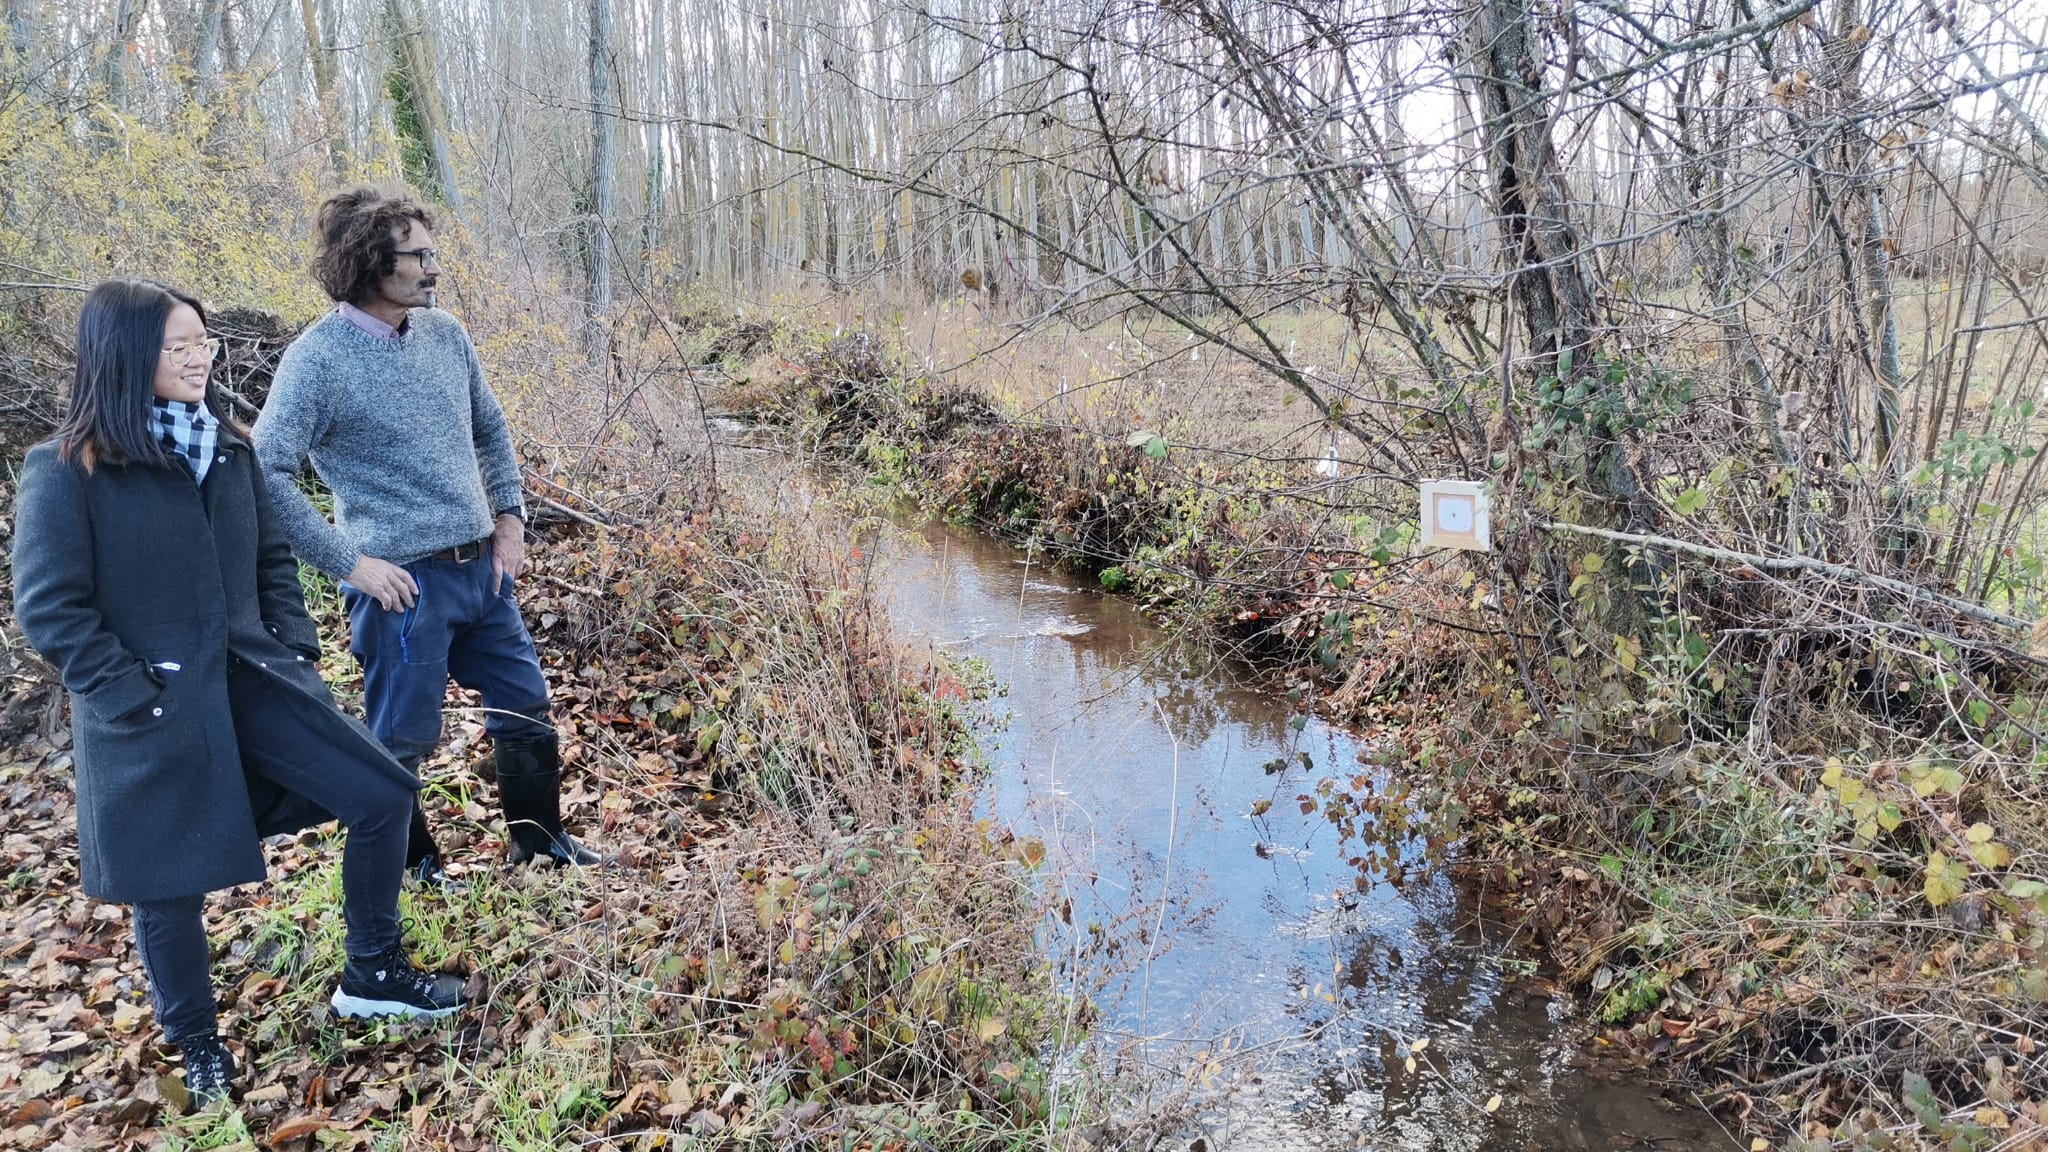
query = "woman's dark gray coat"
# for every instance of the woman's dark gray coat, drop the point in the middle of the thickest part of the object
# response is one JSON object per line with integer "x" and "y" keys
{"x": 121, "y": 574}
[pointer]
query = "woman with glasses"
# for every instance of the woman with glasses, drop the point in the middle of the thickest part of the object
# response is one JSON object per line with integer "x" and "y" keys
{"x": 148, "y": 569}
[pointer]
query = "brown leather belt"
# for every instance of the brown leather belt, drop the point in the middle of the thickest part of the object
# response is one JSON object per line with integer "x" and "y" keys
{"x": 463, "y": 553}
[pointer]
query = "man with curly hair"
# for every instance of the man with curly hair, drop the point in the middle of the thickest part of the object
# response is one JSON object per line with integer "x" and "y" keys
{"x": 386, "y": 396}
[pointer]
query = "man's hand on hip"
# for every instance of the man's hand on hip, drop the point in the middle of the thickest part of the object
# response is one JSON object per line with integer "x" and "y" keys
{"x": 508, "y": 549}
{"x": 389, "y": 585}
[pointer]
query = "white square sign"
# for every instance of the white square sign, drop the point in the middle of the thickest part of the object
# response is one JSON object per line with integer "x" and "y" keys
{"x": 1454, "y": 515}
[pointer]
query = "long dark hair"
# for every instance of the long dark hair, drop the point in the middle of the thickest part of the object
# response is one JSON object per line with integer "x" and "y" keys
{"x": 120, "y": 341}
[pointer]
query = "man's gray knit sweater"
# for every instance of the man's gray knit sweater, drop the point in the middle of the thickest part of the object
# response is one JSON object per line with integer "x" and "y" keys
{"x": 405, "y": 432}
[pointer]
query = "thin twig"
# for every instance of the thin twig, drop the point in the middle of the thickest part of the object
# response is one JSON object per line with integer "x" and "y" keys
{"x": 1797, "y": 564}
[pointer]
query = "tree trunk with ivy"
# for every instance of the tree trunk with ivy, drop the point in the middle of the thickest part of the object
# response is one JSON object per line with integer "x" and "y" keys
{"x": 416, "y": 107}
{"x": 1582, "y": 393}
{"x": 1548, "y": 283}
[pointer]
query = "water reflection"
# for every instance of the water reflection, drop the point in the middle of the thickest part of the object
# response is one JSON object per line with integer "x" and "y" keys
{"x": 1244, "y": 934}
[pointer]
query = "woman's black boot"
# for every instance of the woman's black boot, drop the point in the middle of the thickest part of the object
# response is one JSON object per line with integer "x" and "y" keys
{"x": 422, "y": 855}
{"x": 209, "y": 1072}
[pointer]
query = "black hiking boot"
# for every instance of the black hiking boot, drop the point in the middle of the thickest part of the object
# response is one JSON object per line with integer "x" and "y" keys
{"x": 209, "y": 1072}
{"x": 388, "y": 985}
{"x": 530, "y": 789}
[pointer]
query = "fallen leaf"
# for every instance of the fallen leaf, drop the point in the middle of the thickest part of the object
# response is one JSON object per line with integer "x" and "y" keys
{"x": 297, "y": 1127}
{"x": 172, "y": 1089}
{"x": 31, "y": 1112}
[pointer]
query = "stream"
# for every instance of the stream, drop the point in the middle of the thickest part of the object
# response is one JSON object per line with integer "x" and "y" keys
{"x": 1281, "y": 1001}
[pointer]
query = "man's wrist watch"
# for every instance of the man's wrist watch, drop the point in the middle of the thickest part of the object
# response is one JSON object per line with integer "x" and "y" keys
{"x": 516, "y": 512}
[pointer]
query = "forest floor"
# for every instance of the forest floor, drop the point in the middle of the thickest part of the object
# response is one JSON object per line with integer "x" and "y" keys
{"x": 810, "y": 937}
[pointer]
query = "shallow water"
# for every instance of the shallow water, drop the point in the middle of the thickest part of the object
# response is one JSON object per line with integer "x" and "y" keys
{"x": 1284, "y": 1001}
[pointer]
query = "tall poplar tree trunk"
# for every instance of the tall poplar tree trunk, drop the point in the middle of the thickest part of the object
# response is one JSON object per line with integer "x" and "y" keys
{"x": 120, "y": 48}
{"x": 1531, "y": 202}
{"x": 601, "y": 193}
{"x": 15, "y": 58}
{"x": 320, "y": 54}
{"x": 206, "y": 47}
{"x": 421, "y": 120}
{"x": 656, "y": 134}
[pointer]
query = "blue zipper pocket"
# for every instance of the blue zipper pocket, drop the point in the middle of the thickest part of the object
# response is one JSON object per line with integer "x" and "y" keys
{"x": 412, "y": 616}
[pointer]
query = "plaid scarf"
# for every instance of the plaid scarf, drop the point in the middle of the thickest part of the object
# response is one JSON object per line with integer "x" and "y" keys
{"x": 188, "y": 432}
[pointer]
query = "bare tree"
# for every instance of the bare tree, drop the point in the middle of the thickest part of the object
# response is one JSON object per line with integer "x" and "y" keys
{"x": 602, "y": 176}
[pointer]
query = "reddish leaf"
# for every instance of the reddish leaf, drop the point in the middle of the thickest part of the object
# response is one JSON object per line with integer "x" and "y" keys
{"x": 296, "y": 1127}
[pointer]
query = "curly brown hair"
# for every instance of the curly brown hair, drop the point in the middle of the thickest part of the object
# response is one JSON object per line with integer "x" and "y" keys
{"x": 356, "y": 239}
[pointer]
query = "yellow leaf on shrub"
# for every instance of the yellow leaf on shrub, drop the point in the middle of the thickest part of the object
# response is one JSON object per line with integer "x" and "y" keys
{"x": 1625, "y": 649}
{"x": 1945, "y": 879}
{"x": 1991, "y": 854}
{"x": 991, "y": 1028}
{"x": 1980, "y": 833}
{"x": 1929, "y": 779}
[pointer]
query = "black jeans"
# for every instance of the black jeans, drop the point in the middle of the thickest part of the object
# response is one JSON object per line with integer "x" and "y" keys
{"x": 275, "y": 744}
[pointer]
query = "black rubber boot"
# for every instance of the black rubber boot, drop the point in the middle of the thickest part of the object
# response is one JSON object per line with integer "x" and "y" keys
{"x": 530, "y": 789}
